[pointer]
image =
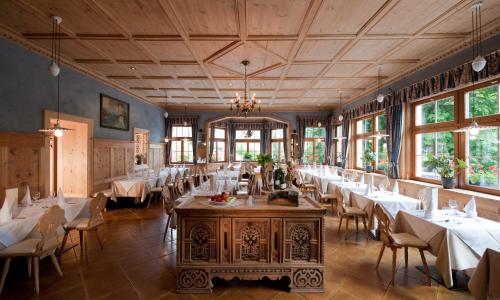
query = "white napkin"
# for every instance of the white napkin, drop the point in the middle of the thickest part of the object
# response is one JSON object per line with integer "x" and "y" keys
{"x": 27, "y": 197}
{"x": 60, "y": 197}
{"x": 369, "y": 186}
{"x": 395, "y": 189}
{"x": 6, "y": 212}
{"x": 431, "y": 197}
{"x": 213, "y": 184}
{"x": 226, "y": 186}
{"x": 470, "y": 208}
{"x": 362, "y": 181}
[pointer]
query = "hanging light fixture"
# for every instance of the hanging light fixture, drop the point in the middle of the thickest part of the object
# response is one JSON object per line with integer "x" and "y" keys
{"x": 248, "y": 134}
{"x": 166, "y": 100}
{"x": 478, "y": 61}
{"x": 185, "y": 111}
{"x": 57, "y": 130}
{"x": 245, "y": 105}
{"x": 341, "y": 117}
{"x": 380, "y": 97}
{"x": 319, "y": 111}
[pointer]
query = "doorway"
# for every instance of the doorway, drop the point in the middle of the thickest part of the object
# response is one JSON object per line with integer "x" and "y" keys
{"x": 70, "y": 156}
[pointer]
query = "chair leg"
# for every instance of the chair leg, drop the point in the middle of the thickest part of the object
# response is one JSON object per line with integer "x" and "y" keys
{"x": 394, "y": 258}
{"x": 36, "y": 265}
{"x": 426, "y": 267}
{"x": 166, "y": 228}
{"x": 63, "y": 244}
{"x": 340, "y": 224}
{"x": 380, "y": 255}
{"x": 357, "y": 227}
{"x": 82, "y": 246}
{"x": 406, "y": 257}
{"x": 56, "y": 264}
{"x": 366, "y": 227}
{"x": 30, "y": 263}
{"x": 98, "y": 238}
{"x": 4, "y": 272}
{"x": 346, "y": 227}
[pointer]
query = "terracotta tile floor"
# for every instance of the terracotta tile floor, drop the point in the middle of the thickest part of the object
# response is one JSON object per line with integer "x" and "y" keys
{"x": 137, "y": 264}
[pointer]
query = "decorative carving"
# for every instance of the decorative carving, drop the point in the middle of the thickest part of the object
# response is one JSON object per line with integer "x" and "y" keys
{"x": 301, "y": 242}
{"x": 304, "y": 278}
{"x": 193, "y": 279}
{"x": 200, "y": 247}
{"x": 250, "y": 243}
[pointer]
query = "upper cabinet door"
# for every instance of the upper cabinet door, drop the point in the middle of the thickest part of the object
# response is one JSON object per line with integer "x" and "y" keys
{"x": 302, "y": 240}
{"x": 251, "y": 240}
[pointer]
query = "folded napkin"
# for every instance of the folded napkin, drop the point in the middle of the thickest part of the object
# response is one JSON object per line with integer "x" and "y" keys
{"x": 369, "y": 186}
{"x": 395, "y": 189}
{"x": 226, "y": 186}
{"x": 60, "y": 197}
{"x": 27, "y": 197}
{"x": 362, "y": 181}
{"x": 470, "y": 208}
{"x": 431, "y": 198}
{"x": 6, "y": 213}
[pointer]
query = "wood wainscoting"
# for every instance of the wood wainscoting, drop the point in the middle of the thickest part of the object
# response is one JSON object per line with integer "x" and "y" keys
{"x": 21, "y": 162}
{"x": 156, "y": 155}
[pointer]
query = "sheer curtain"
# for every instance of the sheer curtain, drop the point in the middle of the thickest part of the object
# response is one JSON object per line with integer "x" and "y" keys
{"x": 345, "y": 142}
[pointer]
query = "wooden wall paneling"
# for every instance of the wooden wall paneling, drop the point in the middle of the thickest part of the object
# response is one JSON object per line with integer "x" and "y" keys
{"x": 20, "y": 162}
{"x": 112, "y": 160}
{"x": 156, "y": 155}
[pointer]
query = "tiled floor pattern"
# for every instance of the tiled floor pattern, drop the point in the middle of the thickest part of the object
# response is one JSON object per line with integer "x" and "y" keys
{"x": 137, "y": 264}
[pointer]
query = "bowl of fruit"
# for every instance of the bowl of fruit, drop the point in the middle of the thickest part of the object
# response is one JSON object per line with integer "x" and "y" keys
{"x": 221, "y": 199}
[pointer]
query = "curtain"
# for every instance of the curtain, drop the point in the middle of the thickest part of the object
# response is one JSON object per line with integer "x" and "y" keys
{"x": 231, "y": 141}
{"x": 211, "y": 150}
{"x": 301, "y": 132}
{"x": 194, "y": 130}
{"x": 285, "y": 142}
{"x": 264, "y": 143}
{"x": 168, "y": 133}
{"x": 394, "y": 115}
{"x": 328, "y": 143}
{"x": 345, "y": 142}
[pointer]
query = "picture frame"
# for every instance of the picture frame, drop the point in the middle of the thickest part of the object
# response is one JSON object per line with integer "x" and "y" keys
{"x": 114, "y": 113}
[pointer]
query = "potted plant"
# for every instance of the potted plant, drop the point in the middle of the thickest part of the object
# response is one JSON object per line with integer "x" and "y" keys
{"x": 368, "y": 158}
{"x": 340, "y": 161}
{"x": 247, "y": 156}
{"x": 139, "y": 158}
{"x": 447, "y": 168}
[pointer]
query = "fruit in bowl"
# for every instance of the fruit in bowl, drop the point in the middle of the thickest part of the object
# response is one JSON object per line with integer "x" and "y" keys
{"x": 224, "y": 197}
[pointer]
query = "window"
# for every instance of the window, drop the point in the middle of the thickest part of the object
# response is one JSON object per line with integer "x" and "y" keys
{"x": 435, "y": 112}
{"x": 337, "y": 144}
{"x": 435, "y": 143}
{"x": 247, "y": 144}
{"x": 277, "y": 149}
{"x": 219, "y": 153}
{"x": 482, "y": 102}
{"x": 370, "y": 135}
{"x": 314, "y": 145}
{"x": 483, "y": 158}
{"x": 182, "y": 144}
{"x": 141, "y": 143}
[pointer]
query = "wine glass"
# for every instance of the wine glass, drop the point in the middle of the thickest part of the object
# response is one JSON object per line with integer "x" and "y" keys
{"x": 36, "y": 196}
{"x": 453, "y": 206}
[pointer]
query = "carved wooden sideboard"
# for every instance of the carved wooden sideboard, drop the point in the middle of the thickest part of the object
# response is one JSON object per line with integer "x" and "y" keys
{"x": 249, "y": 242}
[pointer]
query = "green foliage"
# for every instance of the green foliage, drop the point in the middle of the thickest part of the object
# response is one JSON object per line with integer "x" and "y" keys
{"x": 484, "y": 101}
{"x": 368, "y": 157}
{"x": 317, "y": 132}
{"x": 446, "y": 167}
{"x": 263, "y": 159}
{"x": 247, "y": 155}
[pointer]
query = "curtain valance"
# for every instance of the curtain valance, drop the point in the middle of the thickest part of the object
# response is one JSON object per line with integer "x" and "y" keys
{"x": 179, "y": 120}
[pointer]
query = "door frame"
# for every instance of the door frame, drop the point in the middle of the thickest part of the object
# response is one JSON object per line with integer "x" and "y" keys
{"x": 45, "y": 163}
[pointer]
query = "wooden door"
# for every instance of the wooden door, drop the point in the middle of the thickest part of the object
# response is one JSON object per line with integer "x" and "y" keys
{"x": 199, "y": 240}
{"x": 251, "y": 240}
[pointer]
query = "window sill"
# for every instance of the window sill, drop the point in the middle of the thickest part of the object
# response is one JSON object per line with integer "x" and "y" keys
{"x": 456, "y": 190}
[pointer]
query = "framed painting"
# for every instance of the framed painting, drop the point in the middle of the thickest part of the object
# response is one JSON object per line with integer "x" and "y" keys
{"x": 114, "y": 113}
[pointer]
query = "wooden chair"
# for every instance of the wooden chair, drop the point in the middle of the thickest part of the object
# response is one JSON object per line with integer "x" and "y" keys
{"x": 180, "y": 187}
{"x": 348, "y": 212}
{"x": 82, "y": 225}
{"x": 36, "y": 248}
{"x": 168, "y": 204}
{"x": 396, "y": 241}
{"x": 305, "y": 187}
{"x": 324, "y": 198}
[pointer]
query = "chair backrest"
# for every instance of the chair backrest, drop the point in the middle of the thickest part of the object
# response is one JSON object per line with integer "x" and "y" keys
{"x": 191, "y": 183}
{"x": 96, "y": 207}
{"x": 12, "y": 194}
{"x": 180, "y": 186}
{"x": 384, "y": 224}
{"x": 48, "y": 224}
{"x": 168, "y": 200}
{"x": 317, "y": 185}
{"x": 340, "y": 200}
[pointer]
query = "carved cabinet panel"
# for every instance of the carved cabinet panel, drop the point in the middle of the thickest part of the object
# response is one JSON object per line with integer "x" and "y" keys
{"x": 302, "y": 240}
{"x": 225, "y": 240}
{"x": 251, "y": 240}
{"x": 199, "y": 240}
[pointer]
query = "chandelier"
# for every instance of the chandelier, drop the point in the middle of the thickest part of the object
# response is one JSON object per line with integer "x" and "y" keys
{"x": 245, "y": 105}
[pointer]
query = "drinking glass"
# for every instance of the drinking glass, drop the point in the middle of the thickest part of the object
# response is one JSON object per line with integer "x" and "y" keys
{"x": 36, "y": 196}
{"x": 453, "y": 206}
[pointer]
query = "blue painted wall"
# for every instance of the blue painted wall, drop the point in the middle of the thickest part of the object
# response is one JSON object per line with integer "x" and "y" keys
{"x": 26, "y": 89}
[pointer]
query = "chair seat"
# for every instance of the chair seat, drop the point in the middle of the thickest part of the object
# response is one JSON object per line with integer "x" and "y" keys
{"x": 309, "y": 185}
{"x": 28, "y": 247}
{"x": 408, "y": 240}
{"x": 355, "y": 211}
{"x": 82, "y": 224}
{"x": 108, "y": 193}
{"x": 156, "y": 189}
{"x": 327, "y": 196}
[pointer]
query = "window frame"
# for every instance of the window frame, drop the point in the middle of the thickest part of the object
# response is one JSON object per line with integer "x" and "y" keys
{"x": 182, "y": 139}
{"x": 367, "y": 136}
{"x": 281, "y": 145}
{"x": 335, "y": 143}
{"x": 220, "y": 140}
{"x": 314, "y": 140}
{"x": 247, "y": 142}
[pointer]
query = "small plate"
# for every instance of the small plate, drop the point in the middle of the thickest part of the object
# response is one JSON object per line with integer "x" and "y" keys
{"x": 229, "y": 201}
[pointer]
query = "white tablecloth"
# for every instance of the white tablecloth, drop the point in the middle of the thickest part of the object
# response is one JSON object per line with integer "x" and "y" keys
{"x": 392, "y": 203}
{"x": 23, "y": 225}
{"x": 324, "y": 177}
{"x": 134, "y": 187}
{"x": 347, "y": 188}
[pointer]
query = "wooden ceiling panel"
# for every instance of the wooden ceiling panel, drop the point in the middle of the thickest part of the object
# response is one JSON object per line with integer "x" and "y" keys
{"x": 330, "y": 93}
{"x": 275, "y": 17}
{"x": 109, "y": 69}
{"x": 202, "y": 17}
{"x": 345, "y": 69}
{"x": 78, "y": 16}
{"x": 168, "y": 50}
{"x": 295, "y": 84}
{"x": 119, "y": 49}
{"x": 312, "y": 50}
{"x": 132, "y": 81}
{"x": 305, "y": 70}
{"x": 387, "y": 69}
{"x": 211, "y": 100}
{"x": 230, "y": 84}
{"x": 21, "y": 20}
{"x": 140, "y": 18}
{"x": 204, "y": 93}
{"x": 344, "y": 83}
{"x": 289, "y": 93}
{"x": 198, "y": 83}
{"x": 276, "y": 72}
{"x": 370, "y": 49}
{"x": 205, "y": 49}
{"x": 163, "y": 83}
{"x": 490, "y": 12}
{"x": 420, "y": 48}
{"x": 410, "y": 16}
{"x": 71, "y": 48}
{"x": 344, "y": 17}
{"x": 177, "y": 92}
{"x": 280, "y": 48}
{"x": 263, "y": 83}
{"x": 258, "y": 60}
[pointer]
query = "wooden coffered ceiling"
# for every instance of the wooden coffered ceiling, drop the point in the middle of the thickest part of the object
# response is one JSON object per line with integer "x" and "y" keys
{"x": 302, "y": 52}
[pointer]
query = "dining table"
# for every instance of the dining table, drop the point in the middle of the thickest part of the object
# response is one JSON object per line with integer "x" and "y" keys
{"x": 456, "y": 240}
{"x": 137, "y": 187}
{"x": 23, "y": 225}
{"x": 324, "y": 177}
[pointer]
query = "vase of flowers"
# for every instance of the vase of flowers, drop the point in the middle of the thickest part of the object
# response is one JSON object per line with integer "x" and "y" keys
{"x": 368, "y": 159}
{"x": 483, "y": 175}
{"x": 447, "y": 168}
